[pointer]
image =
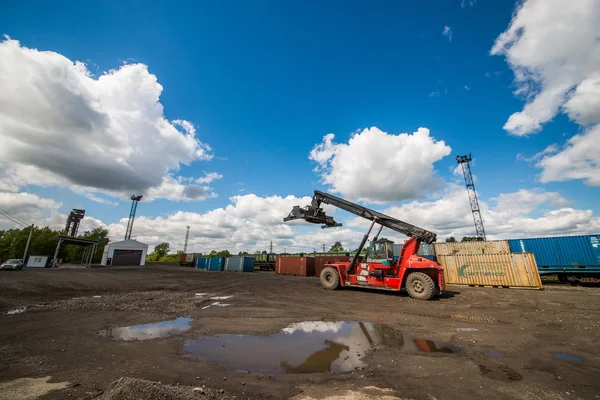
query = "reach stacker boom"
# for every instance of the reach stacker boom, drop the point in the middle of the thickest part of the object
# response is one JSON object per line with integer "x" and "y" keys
{"x": 422, "y": 278}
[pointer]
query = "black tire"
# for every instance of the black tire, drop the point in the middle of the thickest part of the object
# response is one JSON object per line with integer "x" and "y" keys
{"x": 420, "y": 286}
{"x": 330, "y": 279}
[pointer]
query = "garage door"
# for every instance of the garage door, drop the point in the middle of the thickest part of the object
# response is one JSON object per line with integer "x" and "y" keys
{"x": 127, "y": 257}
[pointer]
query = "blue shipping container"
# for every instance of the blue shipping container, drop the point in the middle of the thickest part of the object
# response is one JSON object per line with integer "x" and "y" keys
{"x": 239, "y": 264}
{"x": 201, "y": 262}
{"x": 575, "y": 254}
{"x": 216, "y": 264}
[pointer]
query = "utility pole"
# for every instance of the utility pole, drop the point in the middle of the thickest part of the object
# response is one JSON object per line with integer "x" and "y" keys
{"x": 187, "y": 235}
{"x": 27, "y": 245}
{"x": 323, "y": 247}
{"x": 464, "y": 161}
{"x": 271, "y": 247}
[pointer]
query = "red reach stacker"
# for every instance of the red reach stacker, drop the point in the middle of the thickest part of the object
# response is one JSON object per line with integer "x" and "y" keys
{"x": 422, "y": 278}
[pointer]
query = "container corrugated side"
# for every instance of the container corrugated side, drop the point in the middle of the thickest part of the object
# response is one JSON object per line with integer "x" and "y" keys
{"x": 579, "y": 254}
{"x": 239, "y": 264}
{"x": 215, "y": 264}
{"x": 504, "y": 270}
{"x": 201, "y": 263}
{"x": 300, "y": 266}
{"x": 455, "y": 248}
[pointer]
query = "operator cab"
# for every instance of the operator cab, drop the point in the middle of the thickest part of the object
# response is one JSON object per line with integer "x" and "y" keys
{"x": 381, "y": 252}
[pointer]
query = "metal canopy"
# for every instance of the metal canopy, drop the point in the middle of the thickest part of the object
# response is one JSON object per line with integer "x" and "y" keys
{"x": 88, "y": 252}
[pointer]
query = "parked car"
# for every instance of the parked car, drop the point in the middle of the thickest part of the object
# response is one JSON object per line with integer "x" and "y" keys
{"x": 12, "y": 264}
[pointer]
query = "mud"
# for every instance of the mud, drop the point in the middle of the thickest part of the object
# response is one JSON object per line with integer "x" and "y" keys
{"x": 55, "y": 340}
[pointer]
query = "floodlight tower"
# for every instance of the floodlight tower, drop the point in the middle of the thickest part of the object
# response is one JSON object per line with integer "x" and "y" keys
{"x": 134, "y": 202}
{"x": 464, "y": 161}
{"x": 187, "y": 235}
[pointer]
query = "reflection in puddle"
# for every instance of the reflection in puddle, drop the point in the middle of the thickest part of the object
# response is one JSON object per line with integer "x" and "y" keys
{"x": 16, "y": 311}
{"x": 494, "y": 353}
{"x": 307, "y": 347}
{"x": 567, "y": 357}
{"x": 155, "y": 330}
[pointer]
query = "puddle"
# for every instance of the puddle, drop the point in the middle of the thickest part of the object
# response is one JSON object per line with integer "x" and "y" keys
{"x": 307, "y": 347}
{"x": 466, "y": 330}
{"x": 494, "y": 353}
{"x": 16, "y": 311}
{"x": 221, "y": 297}
{"x": 567, "y": 357}
{"x": 155, "y": 330}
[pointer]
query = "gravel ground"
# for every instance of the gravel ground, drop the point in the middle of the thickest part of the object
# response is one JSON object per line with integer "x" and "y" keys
{"x": 510, "y": 340}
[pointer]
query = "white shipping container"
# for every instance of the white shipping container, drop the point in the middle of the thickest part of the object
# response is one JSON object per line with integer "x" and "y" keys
{"x": 37, "y": 261}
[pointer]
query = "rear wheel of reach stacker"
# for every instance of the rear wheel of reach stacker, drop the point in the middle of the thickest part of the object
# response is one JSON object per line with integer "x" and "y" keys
{"x": 330, "y": 279}
{"x": 420, "y": 286}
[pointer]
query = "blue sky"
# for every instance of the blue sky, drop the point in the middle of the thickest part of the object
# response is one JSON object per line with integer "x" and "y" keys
{"x": 264, "y": 81}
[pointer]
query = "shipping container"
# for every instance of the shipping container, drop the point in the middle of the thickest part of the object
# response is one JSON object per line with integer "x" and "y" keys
{"x": 498, "y": 270}
{"x": 579, "y": 254}
{"x": 457, "y": 248}
{"x": 321, "y": 262}
{"x": 239, "y": 264}
{"x": 215, "y": 264}
{"x": 201, "y": 263}
{"x": 300, "y": 266}
{"x": 188, "y": 258}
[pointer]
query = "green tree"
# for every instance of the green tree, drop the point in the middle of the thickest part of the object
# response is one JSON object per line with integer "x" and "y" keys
{"x": 161, "y": 250}
{"x": 451, "y": 239}
{"x": 472, "y": 239}
{"x": 337, "y": 247}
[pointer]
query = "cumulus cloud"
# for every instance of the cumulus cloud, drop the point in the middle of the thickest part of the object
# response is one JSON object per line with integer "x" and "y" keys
{"x": 26, "y": 208}
{"x": 578, "y": 159}
{"x": 447, "y": 32}
{"x": 554, "y": 53}
{"x": 250, "y": 222}
{"x": 61, "y": 126}
{"x": 507, "y": 216}
{"x": 379, "y": 167}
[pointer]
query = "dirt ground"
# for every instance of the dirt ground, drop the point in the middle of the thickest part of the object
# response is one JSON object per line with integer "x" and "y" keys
{"x": 509, "y": 339}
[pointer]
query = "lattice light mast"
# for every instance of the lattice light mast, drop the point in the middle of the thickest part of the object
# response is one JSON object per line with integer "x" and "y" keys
{"x": 464, "y": 161}
{"x": 187, "y": 236}
{"x": 134, "y": 202}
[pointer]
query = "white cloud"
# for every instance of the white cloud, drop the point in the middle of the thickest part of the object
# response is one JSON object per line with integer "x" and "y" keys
{"x": 467, "y": 87}
{"x": 434, "y": 94}
{"x": 470, "y": 3}
{"x": 26, "y": 208}
{"x": 555, "y": 54}
{"x": 507, "y": 216}
{"x": 250, "y": 222}
{"x": 447, "y": 32}
{"x": 61, "y": 126}
{"x": 378, "y": 167}
{"x": 578, "y": 159}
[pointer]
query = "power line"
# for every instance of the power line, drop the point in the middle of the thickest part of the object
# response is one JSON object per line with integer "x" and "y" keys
{"x": 13, "y": 220}
{"x": 18, "y": 219}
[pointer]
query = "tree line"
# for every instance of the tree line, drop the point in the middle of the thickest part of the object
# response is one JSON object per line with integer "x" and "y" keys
{"x": 43, "y": 243}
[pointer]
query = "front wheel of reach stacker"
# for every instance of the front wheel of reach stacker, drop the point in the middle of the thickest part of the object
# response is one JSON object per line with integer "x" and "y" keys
{"x": 420, "y": 286}
{"x": 330, "y": 279}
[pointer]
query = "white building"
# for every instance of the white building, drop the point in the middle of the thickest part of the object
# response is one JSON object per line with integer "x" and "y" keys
{"x": 127, "y": 252}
